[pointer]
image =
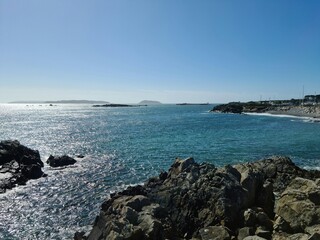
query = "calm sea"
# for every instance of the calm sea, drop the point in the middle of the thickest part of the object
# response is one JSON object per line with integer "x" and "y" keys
{"x": 124, "y": 146}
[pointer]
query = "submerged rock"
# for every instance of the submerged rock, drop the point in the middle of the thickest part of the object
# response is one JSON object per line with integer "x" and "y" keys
{"x": 18, "y": 164}
{"x": 200, "y": 201}
{"x": 60, "y": 161}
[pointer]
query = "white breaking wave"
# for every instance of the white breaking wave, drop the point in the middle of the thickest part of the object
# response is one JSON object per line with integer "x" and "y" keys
{"x": 307, "y": 119}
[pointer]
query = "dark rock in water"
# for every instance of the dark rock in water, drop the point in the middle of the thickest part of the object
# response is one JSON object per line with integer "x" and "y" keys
{"x": 80, "y": 156}
{"x": 200, "y": 201}
{"x": 60, "y": 161}
{"x": 18, "y": 164}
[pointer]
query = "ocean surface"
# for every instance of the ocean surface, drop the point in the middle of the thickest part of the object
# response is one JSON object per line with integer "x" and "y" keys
{"x": 125, "y": 146}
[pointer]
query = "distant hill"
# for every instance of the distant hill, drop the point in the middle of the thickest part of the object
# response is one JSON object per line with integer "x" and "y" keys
{"x": 77, "y": 101}
{"x": 149, "y": 102}
{"x": 35, "y": 102}
{"x": 186, "y": 104}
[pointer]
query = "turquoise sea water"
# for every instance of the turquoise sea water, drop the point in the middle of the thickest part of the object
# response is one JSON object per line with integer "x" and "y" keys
{"x": 124, "y": 146}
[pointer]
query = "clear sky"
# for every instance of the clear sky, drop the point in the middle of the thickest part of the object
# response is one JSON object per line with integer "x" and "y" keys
{"x": 167, "y": 50}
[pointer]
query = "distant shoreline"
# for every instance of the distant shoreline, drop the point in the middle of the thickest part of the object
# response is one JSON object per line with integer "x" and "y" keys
{"x": 60, "y": 102}
{"x": 192, "y": 104}
{"x": 303, "y": 111}
{"x": 307, "y": 111}
{"x": 119, "y": 105}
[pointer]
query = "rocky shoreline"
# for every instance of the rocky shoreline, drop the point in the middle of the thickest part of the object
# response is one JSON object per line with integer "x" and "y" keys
{"x": 311, "y": 111}
{"x": 267, "y": 199}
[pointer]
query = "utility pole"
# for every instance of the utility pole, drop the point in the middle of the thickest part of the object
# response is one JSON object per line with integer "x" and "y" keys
{"x": 302, "y": 94}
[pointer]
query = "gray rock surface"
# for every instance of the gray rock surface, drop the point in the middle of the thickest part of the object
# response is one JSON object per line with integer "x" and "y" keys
{"x": 200, "y": 201}
{"x": 299, "y": 206}
{"x": 18, "y": 164}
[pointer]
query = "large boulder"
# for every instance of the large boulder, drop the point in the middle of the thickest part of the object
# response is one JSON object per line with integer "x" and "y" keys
{"x": 278, "y": 170}
{"x": 18, "y": 164}
{"x": 60, "y": 161}
{"x": 299, "y": 205}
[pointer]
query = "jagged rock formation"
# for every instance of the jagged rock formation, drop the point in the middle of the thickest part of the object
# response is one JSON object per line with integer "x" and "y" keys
{"x": 267, "y": 199}
{"x": 18, "y": 164}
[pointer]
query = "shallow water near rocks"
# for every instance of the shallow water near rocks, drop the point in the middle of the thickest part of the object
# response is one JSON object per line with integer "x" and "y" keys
{"x": 124, "y": 146}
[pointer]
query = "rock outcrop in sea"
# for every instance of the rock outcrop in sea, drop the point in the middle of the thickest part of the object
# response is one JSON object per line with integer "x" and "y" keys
{"x": 60, "y": 161}
{"x": 18, "y": 164}
{"x": 267, "y": 199}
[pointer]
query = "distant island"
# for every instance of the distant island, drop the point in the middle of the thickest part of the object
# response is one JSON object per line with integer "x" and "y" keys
{"x": 118, "y": 105}
{"x": 77, "y": 101}
{"x": 186, "y": 104}
{"x": 149, "y": 102}
{"x": 63, "y": 102}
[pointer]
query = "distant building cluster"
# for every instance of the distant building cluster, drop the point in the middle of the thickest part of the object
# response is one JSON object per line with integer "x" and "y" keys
{"x": 312, "y": 99}
{"x": 307, "y": 100}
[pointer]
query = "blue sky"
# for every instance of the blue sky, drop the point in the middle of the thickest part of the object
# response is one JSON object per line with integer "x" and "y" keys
{"x": 171, "y": 51}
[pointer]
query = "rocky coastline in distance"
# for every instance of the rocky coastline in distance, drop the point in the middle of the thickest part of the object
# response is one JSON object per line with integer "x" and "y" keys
{"x": 283, "y": 107}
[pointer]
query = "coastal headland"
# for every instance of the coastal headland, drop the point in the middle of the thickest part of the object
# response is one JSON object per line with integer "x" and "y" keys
{"x": 292, "y": 107}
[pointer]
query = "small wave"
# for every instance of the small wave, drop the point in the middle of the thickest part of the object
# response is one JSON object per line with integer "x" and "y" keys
{"x": 311, "y": 168}
{"x": 124, "y": 186}
{"x": 273, "y": 115}
{"x": 284, "y": 116}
